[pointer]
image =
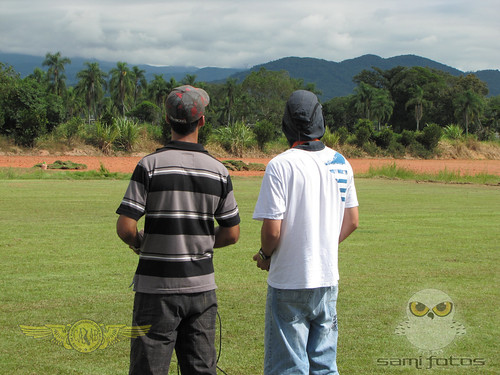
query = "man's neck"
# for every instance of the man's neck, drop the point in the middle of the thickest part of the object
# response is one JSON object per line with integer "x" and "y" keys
{"x": 192, "y": 138}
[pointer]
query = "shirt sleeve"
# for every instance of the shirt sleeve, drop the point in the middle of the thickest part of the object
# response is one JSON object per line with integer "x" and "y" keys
{"x": 271, "y": 203}
{"x": 351, "y": 196}
{"x": 227, "y": 214}
{"x": 133, "y": 204}
{"x": 351, "y": 199}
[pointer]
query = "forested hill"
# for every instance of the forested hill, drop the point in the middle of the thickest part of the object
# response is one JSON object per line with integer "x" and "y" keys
{"x": 335, "y": 79}
{"x": 331, "y": 78}
{"x": 26, "y": 64}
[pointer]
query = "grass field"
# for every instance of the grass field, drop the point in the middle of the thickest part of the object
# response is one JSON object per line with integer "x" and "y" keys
{"x": 61, "y": 262}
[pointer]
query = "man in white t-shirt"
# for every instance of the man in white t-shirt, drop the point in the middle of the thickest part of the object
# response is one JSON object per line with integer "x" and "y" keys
{"x": 308, "y": 205}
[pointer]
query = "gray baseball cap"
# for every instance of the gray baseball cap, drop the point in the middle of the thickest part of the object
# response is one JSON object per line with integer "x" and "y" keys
{"x": 303, "y": 117}
{"x": 186, "y": 104}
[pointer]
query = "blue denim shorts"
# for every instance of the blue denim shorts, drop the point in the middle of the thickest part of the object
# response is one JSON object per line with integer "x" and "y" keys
{"x": 301, "y": 331}
{"x": 184, "y": 322}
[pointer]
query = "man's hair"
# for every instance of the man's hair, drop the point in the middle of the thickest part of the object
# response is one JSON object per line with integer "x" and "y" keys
{"x": 183, "y": 128}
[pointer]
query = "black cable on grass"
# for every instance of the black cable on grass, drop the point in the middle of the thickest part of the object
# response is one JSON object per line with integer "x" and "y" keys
{"x": 220, "y": 347}
{"x": 220, "y": 343}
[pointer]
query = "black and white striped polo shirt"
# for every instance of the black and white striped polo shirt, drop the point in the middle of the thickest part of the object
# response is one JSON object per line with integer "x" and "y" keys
{"x": 182, "y": 190}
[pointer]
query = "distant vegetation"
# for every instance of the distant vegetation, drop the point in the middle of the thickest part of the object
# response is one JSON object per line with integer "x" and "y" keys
{"x": 395, "y": 112}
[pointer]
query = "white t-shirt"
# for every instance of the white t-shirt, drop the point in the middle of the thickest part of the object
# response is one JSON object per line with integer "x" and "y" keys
{"x": 309, "y": 191}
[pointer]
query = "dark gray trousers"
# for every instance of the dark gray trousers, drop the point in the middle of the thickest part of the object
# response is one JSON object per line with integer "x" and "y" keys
{"x": 184, "y": 322}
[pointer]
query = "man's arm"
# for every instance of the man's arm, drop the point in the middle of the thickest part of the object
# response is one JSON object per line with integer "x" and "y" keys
{"x": 225, "y": 236}
{"x": 350, "y": 223}
{"x": 126, "y": 228}
{"x": 270, "y": 235}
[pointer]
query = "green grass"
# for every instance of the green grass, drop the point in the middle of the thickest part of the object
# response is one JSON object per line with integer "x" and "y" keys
{"x": 10, "y": 173}
{"x": 392, "y": 171}
{"x": 61, "y": 262}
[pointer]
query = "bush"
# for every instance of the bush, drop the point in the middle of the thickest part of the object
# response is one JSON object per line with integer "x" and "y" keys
{"x": 154, "y": 132}
{"x": 128, "y": 133}
{"x": 235, "y": 138}
{"x": 350, "y": 151}
{"x": 278, "y": 145}
{"x": 396, "y": 149}
{"x": 330, "y": 139}
{"x": 146, "y": 112}
{"x": 383, "y": 138}
{"x": 408, "y": 138}
{"x": 363, "y": 132}
{"x": 69, "y": 130}
{"x": 103, "y": 136}
{"x": 107, "y": 118}
{"x": 24, "y": 112}
{"x": 488, "y": 134}
{"x": 343, "y": 134}
{"x": 55, "y": 111}
{"x": 453, "y": 132}
{"x": 371, "y": 149}
{"x": 166, "y": 131}
{"x": 204, "y": 133}
{"x": 418, "y": 150}
{"x": 430, "y": 136}
{"x": 264, "y": 132}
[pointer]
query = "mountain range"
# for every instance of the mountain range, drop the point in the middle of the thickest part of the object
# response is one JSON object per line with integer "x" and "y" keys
{"x": 333, "y": 79}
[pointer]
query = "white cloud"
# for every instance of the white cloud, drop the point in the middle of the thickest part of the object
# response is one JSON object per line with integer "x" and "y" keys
{"x": 236, "y": 33}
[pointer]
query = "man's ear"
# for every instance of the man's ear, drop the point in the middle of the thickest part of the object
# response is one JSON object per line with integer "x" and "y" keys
{"x": 201, "y": 121}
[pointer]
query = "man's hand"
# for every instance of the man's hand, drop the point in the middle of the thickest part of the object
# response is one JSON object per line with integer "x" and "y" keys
{"x": 126, "y": 228}
{"x": 261, "y": 263}
{"x": 140, "y": 236}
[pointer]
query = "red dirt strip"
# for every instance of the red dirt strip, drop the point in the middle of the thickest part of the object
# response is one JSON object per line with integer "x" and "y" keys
{"x": 126, "y": 164}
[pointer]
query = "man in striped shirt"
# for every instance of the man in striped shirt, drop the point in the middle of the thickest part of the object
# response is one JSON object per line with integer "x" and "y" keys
{"x": 182, "y": 191}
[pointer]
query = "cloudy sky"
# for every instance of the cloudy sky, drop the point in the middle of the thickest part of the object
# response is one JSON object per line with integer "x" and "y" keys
{"x": 243, "y": 33}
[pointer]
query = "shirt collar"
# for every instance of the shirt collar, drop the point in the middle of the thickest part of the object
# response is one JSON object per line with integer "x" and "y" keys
{"x": 186, "y": 146}
{"x": 311, "y": 146}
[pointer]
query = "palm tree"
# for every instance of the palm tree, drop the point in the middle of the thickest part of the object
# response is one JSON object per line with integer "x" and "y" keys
{"x": 418, "y": 102}
{"x": 171, "y": 84}
{"x": 382, "y": 106}
{"x": 140, "y": 83}
{"x": 91, "y": 85}
{"x": 469, "y": 105}
{"x": 364, "y": 96}
{"x": 39, "y": 75}
{"x": 230, "y": 89}
{"x": 120, "y": 85}
{"x": 189, "y": 79}
{"x": 158, "y": 89}
{"x": 55, "y": 72}
{"x": 73, "y": 101}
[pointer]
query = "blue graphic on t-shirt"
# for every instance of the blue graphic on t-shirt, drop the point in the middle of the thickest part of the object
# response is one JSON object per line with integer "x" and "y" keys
{"x": 338, "y": 159}
{"x": 339, "y": 174}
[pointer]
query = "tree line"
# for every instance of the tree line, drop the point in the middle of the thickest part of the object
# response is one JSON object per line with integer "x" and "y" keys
{"x": 385, "y": 107}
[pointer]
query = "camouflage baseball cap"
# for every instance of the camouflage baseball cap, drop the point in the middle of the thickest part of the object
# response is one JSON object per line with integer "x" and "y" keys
{"x": 186, "y": 104}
